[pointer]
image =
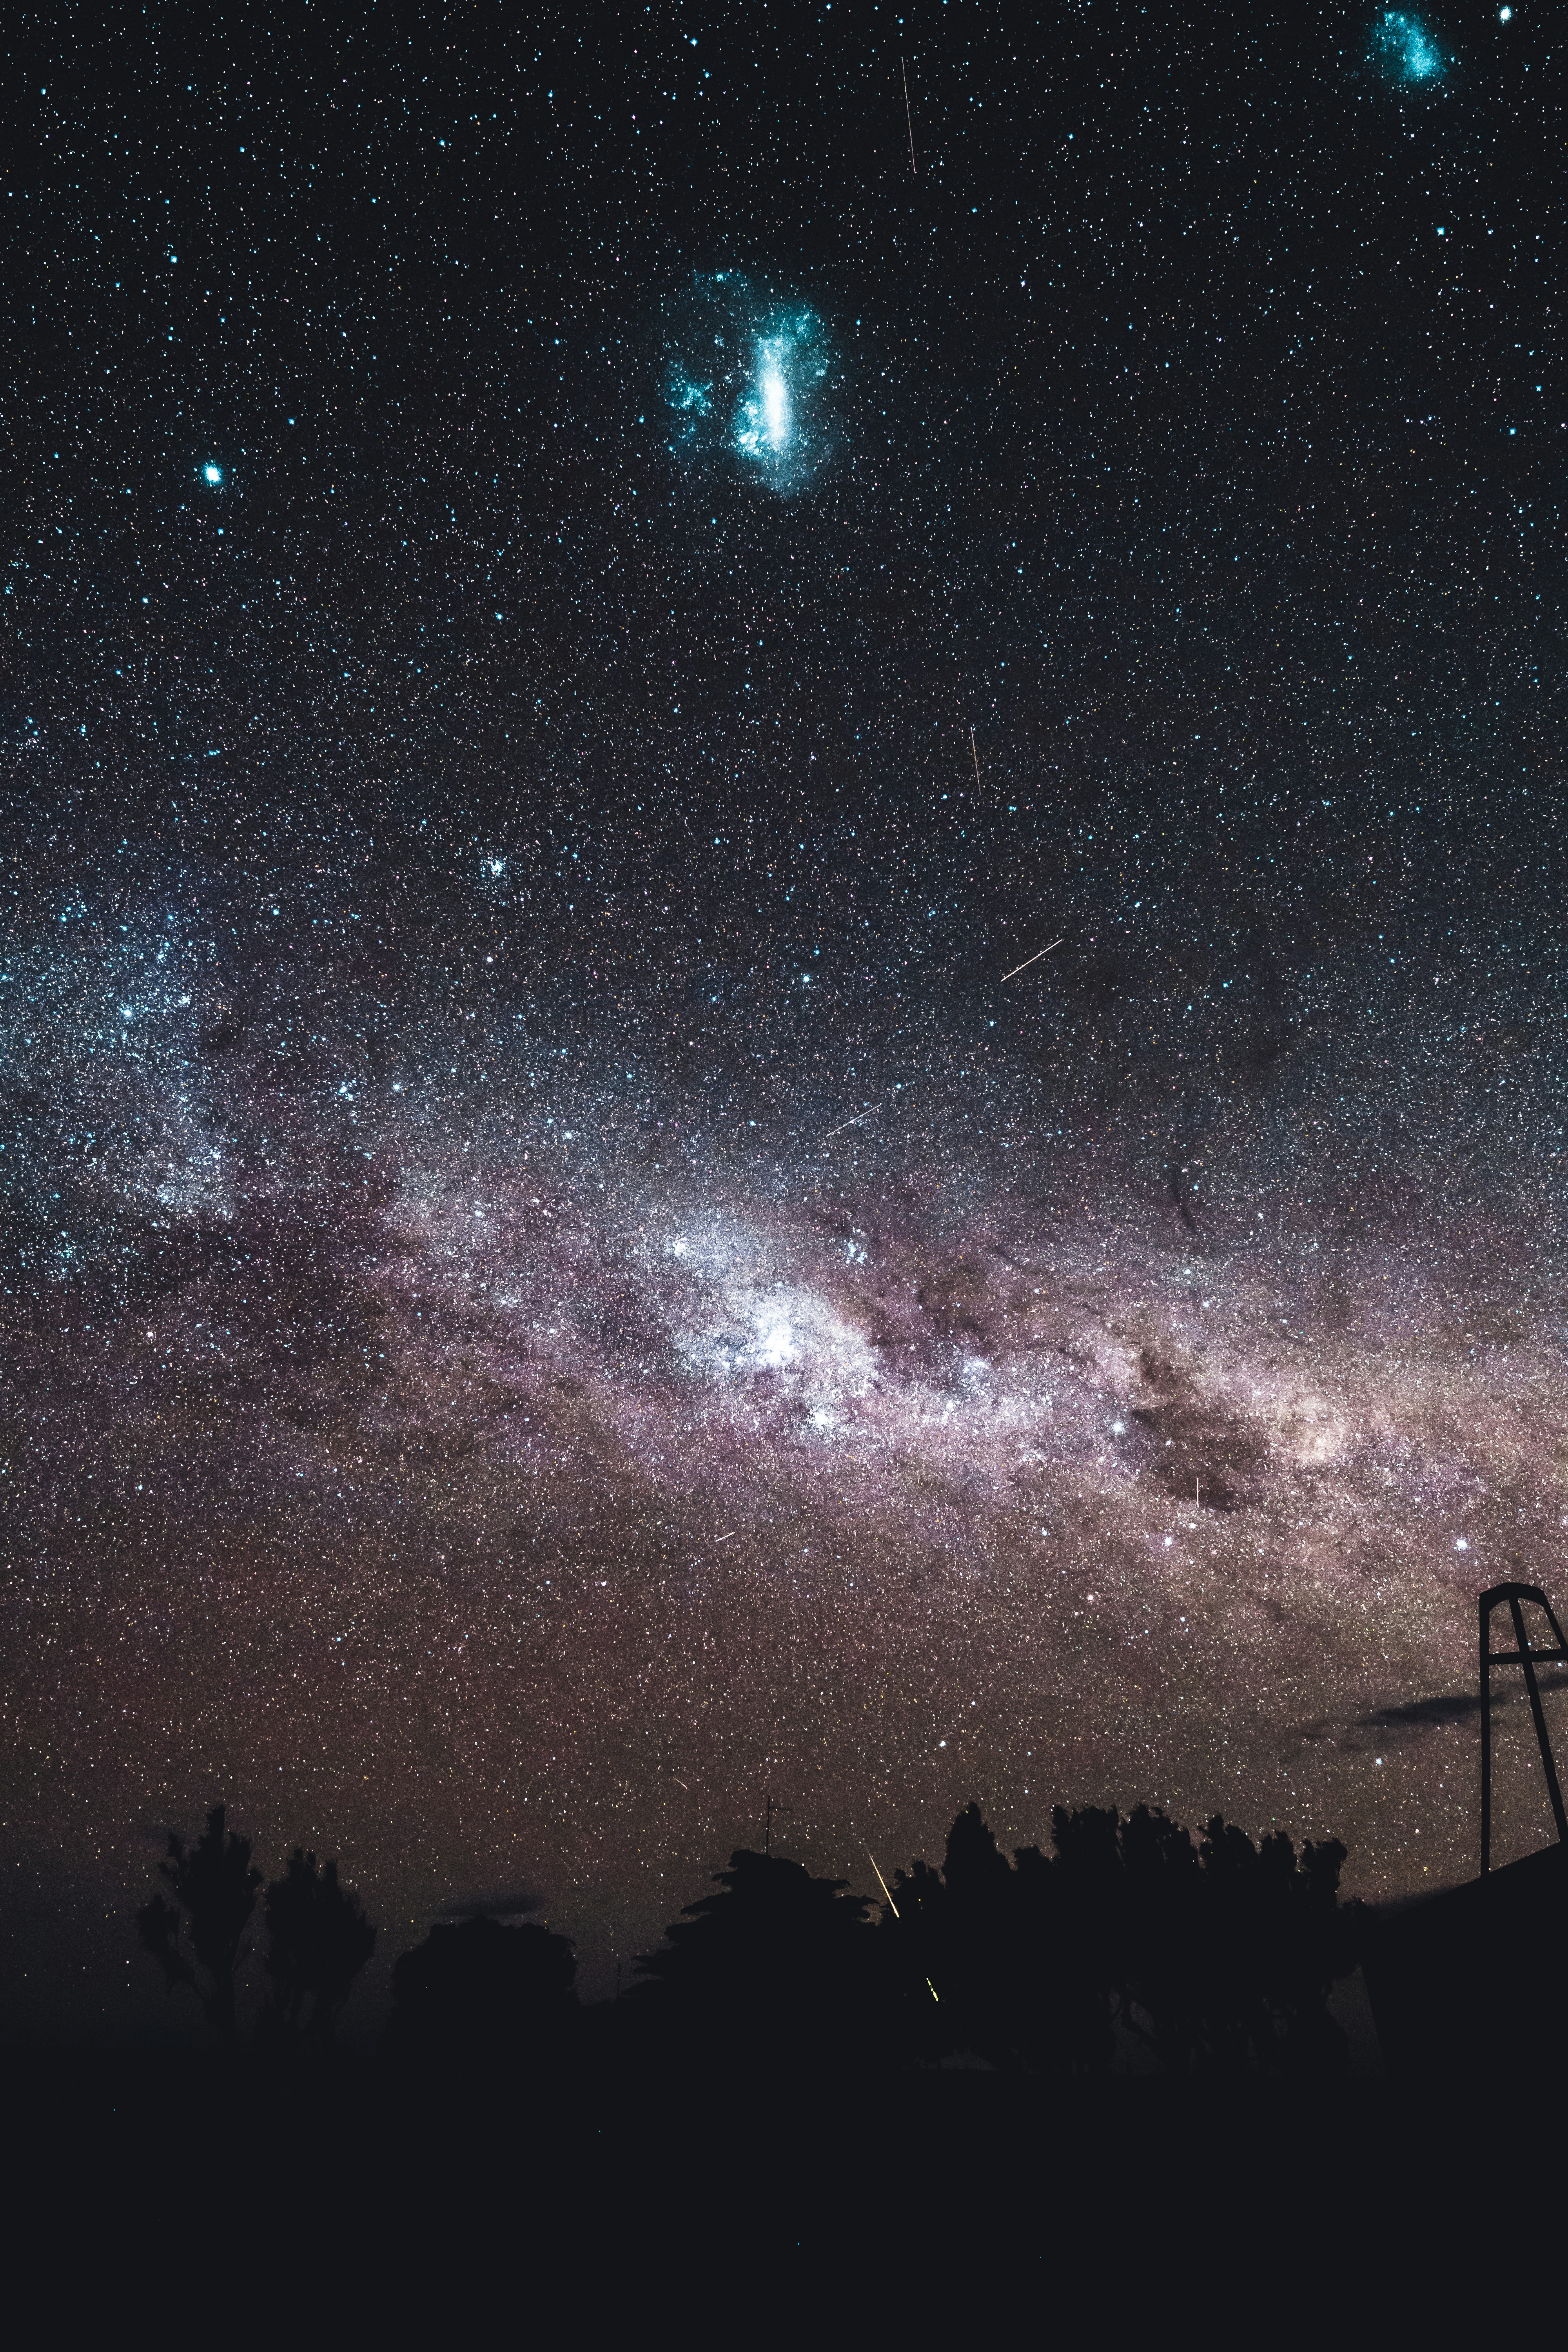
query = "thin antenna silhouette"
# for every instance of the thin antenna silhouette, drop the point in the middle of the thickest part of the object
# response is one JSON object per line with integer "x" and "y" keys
{"x": 1527, "y": 1658}
{"x": 909, "y": 118}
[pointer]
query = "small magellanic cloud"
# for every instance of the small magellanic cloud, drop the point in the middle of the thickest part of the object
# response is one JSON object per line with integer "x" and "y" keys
{"x": 1403, "y": 52}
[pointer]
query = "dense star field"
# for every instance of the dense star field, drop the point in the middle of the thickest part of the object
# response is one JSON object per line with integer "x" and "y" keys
{"x": 582, "y": 601}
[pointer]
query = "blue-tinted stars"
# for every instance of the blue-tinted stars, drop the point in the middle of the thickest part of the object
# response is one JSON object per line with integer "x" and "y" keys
{"x": 1404, "y": 51}
{"x": 211, "y": 474}
{"x": 690, "y": 399}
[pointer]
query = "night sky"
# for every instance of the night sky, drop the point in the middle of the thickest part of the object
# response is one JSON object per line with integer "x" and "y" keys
{"x": 578, "y": 590}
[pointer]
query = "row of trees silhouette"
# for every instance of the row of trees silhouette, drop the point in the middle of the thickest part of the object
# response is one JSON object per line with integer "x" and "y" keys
{"x": 1216, "y": 1953}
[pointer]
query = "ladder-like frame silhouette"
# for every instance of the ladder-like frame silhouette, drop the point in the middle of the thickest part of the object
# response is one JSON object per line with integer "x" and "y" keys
{"x": 1529, "y": 1658}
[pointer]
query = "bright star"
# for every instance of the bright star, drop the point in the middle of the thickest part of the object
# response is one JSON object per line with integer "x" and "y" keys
{"x": 213, "y": 474}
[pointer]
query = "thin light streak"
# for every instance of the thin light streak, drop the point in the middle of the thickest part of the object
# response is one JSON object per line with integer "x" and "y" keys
{"x": 1017, "y": 968}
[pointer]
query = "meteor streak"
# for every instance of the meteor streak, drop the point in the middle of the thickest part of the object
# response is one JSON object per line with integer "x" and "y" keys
{"x": 1017, "y": 968}
{"x": 856, "y": 1121}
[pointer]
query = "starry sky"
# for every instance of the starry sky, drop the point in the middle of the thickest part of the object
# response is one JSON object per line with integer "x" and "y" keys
{"x": 781, "y": 960}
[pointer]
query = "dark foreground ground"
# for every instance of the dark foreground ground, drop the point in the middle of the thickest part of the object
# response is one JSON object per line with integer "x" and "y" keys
{"x": 239, "y": 2203}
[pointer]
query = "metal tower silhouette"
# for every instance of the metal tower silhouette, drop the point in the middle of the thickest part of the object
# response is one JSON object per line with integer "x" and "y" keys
{"x": 1528, "y": 1657}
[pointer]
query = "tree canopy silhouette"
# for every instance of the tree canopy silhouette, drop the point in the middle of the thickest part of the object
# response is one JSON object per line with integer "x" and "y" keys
{"x": 779, "y": 1964}
{"x": 318, "y": 1940}
{"x": 475, "y": 1984}
{"x": 997, "y": 1960}
{"x": 1220, "y": 1956}
{"x": 214, "y": 1886}
{"x": 1223, "y": 1955}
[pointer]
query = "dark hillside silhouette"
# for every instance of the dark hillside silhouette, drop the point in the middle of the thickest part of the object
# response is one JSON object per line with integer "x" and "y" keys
{"x": 319, "y": 1939}
{"x": 214, "y": 1887}
{"x": 477, "y": 1988}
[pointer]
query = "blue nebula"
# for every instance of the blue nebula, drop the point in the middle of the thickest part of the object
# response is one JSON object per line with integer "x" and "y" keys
{"x": 746, "y": 380}
{"x": 1404, "y": 51}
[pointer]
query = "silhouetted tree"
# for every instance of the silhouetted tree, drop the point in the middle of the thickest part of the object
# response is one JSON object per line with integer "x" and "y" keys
{"x": 918, "y": 1934}
{"x": 778, "y": 1966}
{"x": 954, "y": 1936}
{"x": 1162, "y": 1960}
{"x": 213, "y": 1888}
{"x": 993, "y": 1958}
{"x": 1276, "y": 1937}
{"x": 1061, "y": 1998}
{"x": 318, "y": 1940}
{"x": 475, "y": 1985}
